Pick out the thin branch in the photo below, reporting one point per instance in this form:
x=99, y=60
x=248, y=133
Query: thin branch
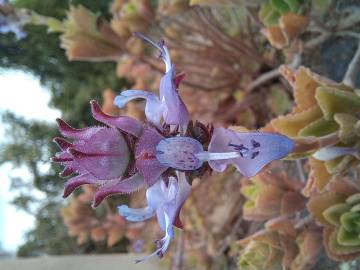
x=272, y=74
x=350, y=21
x=313, y=43
x=231, y=236
x=348, y=33
x=240, y=106
x=300, y=170
x=263, y=78
x=178, y=261
x=353, y=69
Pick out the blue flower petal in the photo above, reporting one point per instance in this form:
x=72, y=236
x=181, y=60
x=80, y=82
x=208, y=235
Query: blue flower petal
x=179, y=153
x=136, y=214
x=257, y=149
x=153, y=109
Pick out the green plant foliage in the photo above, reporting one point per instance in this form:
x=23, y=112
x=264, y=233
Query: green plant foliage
x=279, y=101
x=29, y=143
x=272, y=10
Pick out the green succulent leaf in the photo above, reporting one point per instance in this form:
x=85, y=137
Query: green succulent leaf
x=353, y=199
x=333, y=213
x=251, y=191
x=249, y=204
x=318, y=128
x=269, y=15
x=356, y=208
x=332, y=101
x=339, y=248
x=348, y=238
x=129, y=8
x=279, y=101
x=259, y=256
x=347, y=122
x=348, y=221
x=294, y=5
x=281, y=6
x=339, y=164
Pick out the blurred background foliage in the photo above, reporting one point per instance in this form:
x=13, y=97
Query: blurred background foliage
x=29, y=143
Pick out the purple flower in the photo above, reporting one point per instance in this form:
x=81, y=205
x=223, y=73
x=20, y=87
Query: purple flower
x=164, y=201
x=99, y=155
x=145, y=156
x=125, y=155
x=168, y=105
x=249, y=152
x=256, y=149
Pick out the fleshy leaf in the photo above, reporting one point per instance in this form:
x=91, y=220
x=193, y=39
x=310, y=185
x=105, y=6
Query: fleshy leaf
x=348, y=238
x=291, y=124
x=319, y=171
x=293, y=24
x=318, y=128
x=86, y=37
x=280, y=5
x=319, y=203
x=348, y=221
x=276, y=36
x=339, y=164
x=332, y=100
x=304, y=89
x=334, y=212
x=268, y=14
x=336, y=251
x=354, y=199
x=347, y=122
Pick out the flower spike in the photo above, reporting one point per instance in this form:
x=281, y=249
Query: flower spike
x=124, y=155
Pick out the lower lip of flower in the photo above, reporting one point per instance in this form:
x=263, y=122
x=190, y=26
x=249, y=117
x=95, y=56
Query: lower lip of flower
x=186, y=153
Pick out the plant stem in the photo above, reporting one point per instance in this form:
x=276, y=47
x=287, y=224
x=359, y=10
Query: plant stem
x=353, y=69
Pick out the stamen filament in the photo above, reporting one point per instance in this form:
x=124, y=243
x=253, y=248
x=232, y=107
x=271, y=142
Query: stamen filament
x=206, y=156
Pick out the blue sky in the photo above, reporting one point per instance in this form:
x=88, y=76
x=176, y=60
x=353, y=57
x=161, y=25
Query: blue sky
x=17, y=90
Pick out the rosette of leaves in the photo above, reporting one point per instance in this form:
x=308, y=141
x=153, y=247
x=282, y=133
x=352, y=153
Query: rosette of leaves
x=172, y=7
x=270, y=195
x=272, y=10
x=283, y=20
x=323, y=109
x=88, y=37
x=281, y=246
x=339, y=212
x=212, y=3
x=272, y=248
x=131, y=16
x=86, y=224
x=309, y=244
